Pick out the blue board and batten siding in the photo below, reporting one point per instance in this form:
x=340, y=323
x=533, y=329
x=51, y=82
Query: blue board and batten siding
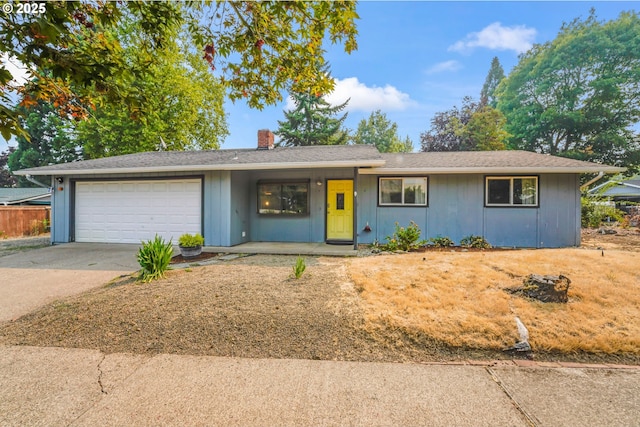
x=456, y=209
x=307, y=228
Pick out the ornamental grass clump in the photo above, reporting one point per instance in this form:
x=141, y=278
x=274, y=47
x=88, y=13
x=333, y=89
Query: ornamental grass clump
x=154, y=257
x=191, y=240
x=299, y=267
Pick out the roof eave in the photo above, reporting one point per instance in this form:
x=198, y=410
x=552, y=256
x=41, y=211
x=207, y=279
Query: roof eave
x=23, y=200
x=488, y=170
x=196, y=168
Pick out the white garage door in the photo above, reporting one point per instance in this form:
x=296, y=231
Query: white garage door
x=132, y=211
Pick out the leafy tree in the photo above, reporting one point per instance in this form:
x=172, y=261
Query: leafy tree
x=51, y=140
x=65, y=47
x=312, y=122
x=485, y=130
x=183, y=100
x=578, y=95
x=379, y=131
x=495, y=76
x=260, y=49
x=447, y=129
x=6, y=178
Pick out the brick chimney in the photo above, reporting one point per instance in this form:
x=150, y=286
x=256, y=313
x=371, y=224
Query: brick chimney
x=265, y=139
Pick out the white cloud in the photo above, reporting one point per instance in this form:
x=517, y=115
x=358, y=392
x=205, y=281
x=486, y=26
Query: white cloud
x=16, y=68
x=494, y=36
x=364, y=98
x=441, y=67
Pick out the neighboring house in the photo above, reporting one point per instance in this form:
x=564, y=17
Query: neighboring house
x=25, y=196
x=619, y=191
x=333, y=194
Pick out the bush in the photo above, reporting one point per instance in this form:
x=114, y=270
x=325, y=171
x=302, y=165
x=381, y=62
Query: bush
x=596, y=210
x=299, y=267
x=440, y=242
x=403, y=238
x=190, y=240
x=154, y=257
x=474, y=242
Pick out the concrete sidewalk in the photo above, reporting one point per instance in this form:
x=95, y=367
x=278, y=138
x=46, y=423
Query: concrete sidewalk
x=53, y=386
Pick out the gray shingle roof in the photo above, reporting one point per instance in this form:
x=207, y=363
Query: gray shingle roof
x=507, y=161
x=10, y=196
x=630, y=187
x=230, y=159
x=364, y=156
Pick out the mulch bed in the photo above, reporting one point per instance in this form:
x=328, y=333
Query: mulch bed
x=179, y=259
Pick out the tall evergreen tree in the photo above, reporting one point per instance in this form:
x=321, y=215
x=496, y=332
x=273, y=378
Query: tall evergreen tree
x=495, y=76
x=312, y=122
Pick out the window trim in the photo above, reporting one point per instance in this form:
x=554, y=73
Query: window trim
x=404, y=205
x=282, y=182
x=511, y=179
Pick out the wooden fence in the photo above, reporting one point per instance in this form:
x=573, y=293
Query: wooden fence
x=17, y=221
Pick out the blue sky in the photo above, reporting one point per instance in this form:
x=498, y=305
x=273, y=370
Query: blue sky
x=420, y=57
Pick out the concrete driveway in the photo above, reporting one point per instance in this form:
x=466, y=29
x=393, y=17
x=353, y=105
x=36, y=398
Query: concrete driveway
x=32, y=278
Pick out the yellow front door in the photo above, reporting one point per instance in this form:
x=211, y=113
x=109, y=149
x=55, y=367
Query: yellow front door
x=340, y=210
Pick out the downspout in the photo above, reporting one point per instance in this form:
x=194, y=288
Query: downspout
x=36, y=182
x=585, y=185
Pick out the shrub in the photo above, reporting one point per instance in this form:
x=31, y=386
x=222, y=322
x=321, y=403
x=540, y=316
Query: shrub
x=474, y=242
x=403, y=238
x=299, y=267
x=190, y=240
x=596, y=210
x=154, y=257
x=441, y=242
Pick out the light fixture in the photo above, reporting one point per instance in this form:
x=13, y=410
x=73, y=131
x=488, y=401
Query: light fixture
x=60, y=180
x=318, y=183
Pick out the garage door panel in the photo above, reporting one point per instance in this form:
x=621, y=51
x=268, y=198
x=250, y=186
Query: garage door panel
x=132, y=211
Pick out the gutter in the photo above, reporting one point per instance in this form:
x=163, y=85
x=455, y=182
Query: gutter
x=484, y=170
x=591, y=181
x=215, y=167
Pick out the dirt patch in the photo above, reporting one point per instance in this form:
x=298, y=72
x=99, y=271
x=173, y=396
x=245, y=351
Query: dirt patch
x=251, y=306
x=248, y=307
x=627, y=239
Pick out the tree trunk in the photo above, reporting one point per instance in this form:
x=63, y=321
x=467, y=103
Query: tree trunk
x=544, y=288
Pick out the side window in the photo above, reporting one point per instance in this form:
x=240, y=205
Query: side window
x=402, y=191
x=511, y=191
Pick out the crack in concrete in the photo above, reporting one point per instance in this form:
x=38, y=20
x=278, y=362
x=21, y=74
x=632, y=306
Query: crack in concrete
x=529, y=418
x=100, y=373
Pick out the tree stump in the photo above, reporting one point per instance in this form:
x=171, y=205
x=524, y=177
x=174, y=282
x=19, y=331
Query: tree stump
x=544, y=288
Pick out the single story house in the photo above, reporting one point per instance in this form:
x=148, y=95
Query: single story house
x=336, y=194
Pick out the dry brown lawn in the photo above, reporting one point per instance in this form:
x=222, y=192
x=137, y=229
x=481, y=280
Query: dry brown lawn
x=458, y=298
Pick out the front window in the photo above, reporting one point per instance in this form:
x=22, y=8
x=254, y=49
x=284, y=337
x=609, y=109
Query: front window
x=283, y=198
x=403, y=191
x=512, y=191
